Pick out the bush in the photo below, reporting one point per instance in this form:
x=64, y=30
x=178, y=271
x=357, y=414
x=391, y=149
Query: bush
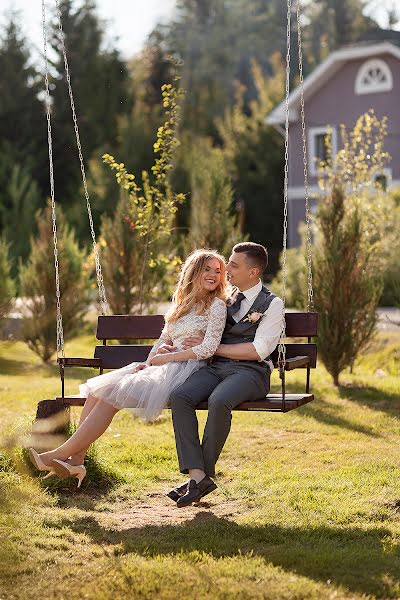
x=37, y=281
x=391, y=277
x=296, y=276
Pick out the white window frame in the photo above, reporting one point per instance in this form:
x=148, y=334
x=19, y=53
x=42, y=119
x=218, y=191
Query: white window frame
x=386, y=173
x=312, y=134
x=361, y=88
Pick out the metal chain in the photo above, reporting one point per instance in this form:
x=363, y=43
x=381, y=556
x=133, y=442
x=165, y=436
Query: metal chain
x=281, y=346
x=100, y=282
x=60, y=331
x=310, y=292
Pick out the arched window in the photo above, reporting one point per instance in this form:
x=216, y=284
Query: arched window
x=373, y=76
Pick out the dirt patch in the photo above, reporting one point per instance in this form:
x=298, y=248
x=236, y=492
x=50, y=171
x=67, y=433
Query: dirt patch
x=157, y=509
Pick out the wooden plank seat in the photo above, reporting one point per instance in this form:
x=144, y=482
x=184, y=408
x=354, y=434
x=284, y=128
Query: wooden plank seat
x=124, y=328
x=271, y=403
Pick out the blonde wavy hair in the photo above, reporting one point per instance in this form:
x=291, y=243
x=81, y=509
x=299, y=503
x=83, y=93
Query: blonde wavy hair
x=190, y=291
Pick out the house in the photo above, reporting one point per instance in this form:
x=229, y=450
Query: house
x=349, y=82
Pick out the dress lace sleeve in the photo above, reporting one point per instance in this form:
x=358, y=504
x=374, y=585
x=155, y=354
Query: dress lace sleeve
x=215, y=328
x=163, y=339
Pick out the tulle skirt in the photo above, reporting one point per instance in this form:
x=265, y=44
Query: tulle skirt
x=146, y=392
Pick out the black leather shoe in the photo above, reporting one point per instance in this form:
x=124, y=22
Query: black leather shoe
x=196, y=491
x=178, y=491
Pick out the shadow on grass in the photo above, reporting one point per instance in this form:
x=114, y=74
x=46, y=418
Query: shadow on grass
x=354, y=558
x=373, y=397
x=9, y=366
x=321, y=412
x=99, y=481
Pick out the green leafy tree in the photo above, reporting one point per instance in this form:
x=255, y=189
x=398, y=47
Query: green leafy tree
x=7, y=284
x=155, y=203
x=37, y=282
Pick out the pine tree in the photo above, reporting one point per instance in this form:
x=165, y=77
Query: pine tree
x=347, y=284
x=254, y=154
x=18, y=205
x=22, y=124
x=37, y=281
x=155, y=203
x=100, y=86
x=122, y=258
x=7, y=284
x=212, y=223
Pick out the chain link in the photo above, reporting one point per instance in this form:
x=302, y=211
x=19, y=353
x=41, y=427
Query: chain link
x=281, y=346
x=100, y=282
x=60, y=331
x=310, y=293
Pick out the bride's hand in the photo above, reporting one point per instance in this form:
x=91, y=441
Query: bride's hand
x=194, y=340
x=160, y=359
x=140, y=367
x=165, y=348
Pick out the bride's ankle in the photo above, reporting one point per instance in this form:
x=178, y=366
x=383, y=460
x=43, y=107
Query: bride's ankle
x=78, y=459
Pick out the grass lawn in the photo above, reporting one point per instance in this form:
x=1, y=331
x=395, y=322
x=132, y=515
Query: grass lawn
x=308, y=504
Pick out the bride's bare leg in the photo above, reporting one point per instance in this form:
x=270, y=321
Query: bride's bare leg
x=89, y=405
x=79, y=457
x=90, y=430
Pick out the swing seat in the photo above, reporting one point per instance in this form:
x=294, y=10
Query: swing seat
x=126, y=328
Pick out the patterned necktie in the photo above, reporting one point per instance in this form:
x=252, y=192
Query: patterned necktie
x=233, y=308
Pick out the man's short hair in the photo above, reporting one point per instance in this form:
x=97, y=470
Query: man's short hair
x=255, y=253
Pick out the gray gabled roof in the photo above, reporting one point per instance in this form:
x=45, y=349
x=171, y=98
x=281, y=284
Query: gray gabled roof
x=324, y=72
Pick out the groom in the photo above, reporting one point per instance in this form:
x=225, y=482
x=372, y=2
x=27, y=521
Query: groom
x=239, y=371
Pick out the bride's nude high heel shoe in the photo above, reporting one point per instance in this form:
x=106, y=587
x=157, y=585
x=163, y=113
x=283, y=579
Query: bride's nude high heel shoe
x=64, y=469
x=39, y=464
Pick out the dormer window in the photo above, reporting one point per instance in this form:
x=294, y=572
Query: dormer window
x=373, y=76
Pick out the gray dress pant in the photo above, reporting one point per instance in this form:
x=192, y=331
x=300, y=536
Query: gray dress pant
x=225, y=384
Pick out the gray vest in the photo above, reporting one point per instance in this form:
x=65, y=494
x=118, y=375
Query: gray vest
x=245, y=331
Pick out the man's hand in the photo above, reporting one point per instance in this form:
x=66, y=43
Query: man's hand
x=190, y=342
x=165, y=349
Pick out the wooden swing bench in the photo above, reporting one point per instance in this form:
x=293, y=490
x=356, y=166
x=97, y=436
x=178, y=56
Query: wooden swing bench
x=124, y=328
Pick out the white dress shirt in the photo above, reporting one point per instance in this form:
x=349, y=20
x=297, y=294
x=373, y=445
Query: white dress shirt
x=270, y=325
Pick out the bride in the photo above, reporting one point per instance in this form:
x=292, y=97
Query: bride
x=199, y=303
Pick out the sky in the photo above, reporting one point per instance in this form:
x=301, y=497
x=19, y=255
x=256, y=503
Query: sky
x=129, y=20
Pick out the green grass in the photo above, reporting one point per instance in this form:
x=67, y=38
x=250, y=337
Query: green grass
x=308, y=504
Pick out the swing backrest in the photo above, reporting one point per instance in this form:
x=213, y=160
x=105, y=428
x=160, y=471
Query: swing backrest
x=300, y=325
x=131, y=328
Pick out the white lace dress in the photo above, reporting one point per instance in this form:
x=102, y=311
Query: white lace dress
x=146, y=392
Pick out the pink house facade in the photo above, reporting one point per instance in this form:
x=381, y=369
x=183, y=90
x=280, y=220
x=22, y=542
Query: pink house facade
x=349, y=82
